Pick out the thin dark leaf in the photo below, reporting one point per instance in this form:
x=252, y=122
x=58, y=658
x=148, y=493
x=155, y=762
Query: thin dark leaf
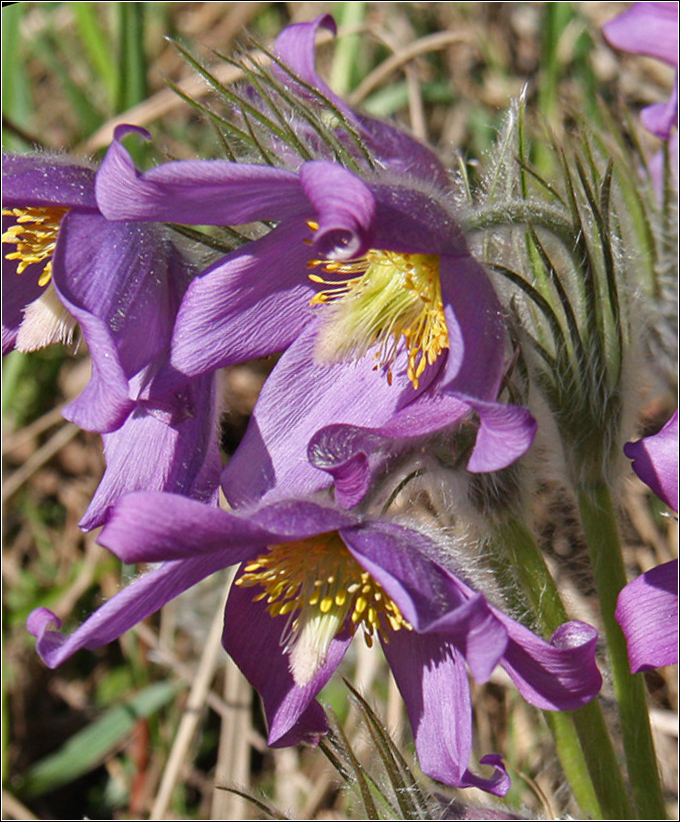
x=240, y=102
x=585, y=268
x=258, y=80
x=268, y=156
x=544, y=183
x=349, y=127
x=216, y=118
x=539, y=300
x=360, y=776
x=263, y=806
x=404, y=784
x=209, y=240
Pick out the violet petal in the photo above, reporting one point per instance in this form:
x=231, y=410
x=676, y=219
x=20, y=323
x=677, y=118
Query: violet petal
x=299, y=397
x=113, y=278
x=206, y=192
x=474, y=318
x=661, y=118
x=400, y=560
x=345, y=210
x=506, y=432
x=149, y=454
x=134, y=603
x=649, y=28
x=252, y=303
x=655, y=461
x=150, y=526
x=252, y=638
x=18, y=290
x=559, y=675
x=34, y=180
x=432, y=679
x=647, y=611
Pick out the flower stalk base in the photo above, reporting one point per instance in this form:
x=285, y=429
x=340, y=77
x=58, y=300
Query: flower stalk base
x=600, y=526
x=581, y=737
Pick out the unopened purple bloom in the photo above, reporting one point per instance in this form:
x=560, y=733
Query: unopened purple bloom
x=371, y=255
x=312, y=576
x=647, y=608
x=121, y=282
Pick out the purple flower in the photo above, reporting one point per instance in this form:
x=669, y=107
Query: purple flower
x=65, y=264
x=313, y=576
x=368, y=252
x=651, y=29
x=647, y=608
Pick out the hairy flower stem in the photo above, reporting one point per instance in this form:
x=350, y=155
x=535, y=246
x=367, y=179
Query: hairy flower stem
x=599, y=522
x=581, y=737
x=514, y=212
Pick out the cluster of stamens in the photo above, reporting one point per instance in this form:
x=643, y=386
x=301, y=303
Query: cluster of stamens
x=35, y=236
x=376, y=300
x=317, y=581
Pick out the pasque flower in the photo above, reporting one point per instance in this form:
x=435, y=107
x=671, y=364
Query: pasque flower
x=366, y=269
x=64, y=265
x=366, y=245
x=311, y=577
x=647, y=608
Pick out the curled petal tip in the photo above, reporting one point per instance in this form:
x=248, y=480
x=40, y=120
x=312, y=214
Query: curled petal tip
x=41, y=620
x=127, y=128
x=574, y=634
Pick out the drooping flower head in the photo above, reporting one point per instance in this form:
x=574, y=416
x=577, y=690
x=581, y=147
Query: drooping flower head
x=647, y=608
x=65, y=265
x=312, y=576
x=366, y=242
x=365, y=269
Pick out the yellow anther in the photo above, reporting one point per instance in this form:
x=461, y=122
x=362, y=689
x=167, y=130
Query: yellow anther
x=384, y=297
x=35, y=236
x=318, y=586
x=325, y=605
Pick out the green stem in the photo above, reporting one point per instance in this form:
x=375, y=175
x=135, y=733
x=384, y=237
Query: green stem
x=599, y=522
x=581, y=737
x=514, y=212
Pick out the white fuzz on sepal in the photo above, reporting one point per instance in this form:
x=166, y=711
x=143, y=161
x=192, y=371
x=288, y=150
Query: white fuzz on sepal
x=45, y=322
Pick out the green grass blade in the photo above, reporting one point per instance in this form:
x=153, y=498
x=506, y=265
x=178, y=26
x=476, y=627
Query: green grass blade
x=97, y=44
x=16, y=98
x=132, y=86
x=349, y=49
x=88, y=748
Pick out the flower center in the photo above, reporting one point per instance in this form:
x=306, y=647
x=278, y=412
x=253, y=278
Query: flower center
x=35, y=236
x=318, y=583
x=377, y=300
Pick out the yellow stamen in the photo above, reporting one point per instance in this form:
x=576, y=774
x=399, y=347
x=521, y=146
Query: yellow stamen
x=35, y=236
x=319, y=584
x=377, y=300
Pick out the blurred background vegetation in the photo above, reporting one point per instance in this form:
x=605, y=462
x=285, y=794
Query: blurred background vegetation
x=155, y=725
